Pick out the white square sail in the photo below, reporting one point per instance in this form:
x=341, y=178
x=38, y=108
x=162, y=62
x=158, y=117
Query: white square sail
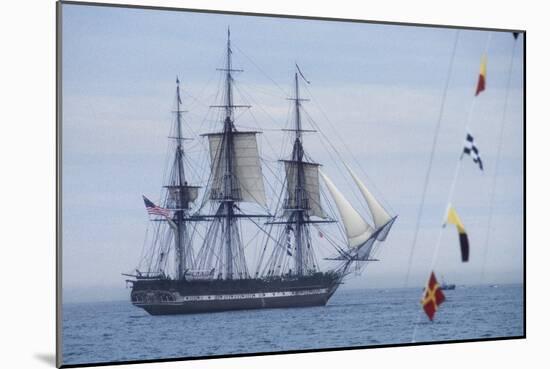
x=247, y=171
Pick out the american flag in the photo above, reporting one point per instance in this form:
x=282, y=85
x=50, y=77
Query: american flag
x=153, y=209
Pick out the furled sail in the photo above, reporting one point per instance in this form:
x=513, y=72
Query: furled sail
x=380, y=216
x=312, y=197
x=247, y=183
x=183, y=195
x=357, y=229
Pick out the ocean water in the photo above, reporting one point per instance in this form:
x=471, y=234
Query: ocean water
x=117, y=331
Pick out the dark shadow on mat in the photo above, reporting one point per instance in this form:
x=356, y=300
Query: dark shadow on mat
x=46, y=358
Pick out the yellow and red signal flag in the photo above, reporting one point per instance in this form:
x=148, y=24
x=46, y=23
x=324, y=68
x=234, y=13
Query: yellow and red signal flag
x=433, y=297
x=482, y=75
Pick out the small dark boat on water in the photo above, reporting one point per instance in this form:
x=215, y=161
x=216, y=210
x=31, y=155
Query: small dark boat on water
x=446, y=287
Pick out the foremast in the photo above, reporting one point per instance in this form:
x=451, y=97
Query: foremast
x=302, y=202
x=301, y=235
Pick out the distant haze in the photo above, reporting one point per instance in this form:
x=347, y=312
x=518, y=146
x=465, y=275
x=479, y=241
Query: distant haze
x=375, y=92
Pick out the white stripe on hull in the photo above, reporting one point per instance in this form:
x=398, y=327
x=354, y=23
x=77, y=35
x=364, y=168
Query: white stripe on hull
x=243, y=296
x=209, y=303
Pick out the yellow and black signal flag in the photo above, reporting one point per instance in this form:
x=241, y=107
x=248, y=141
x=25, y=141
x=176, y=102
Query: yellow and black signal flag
x=482, y=75
x=433, y=297
x=453, y=218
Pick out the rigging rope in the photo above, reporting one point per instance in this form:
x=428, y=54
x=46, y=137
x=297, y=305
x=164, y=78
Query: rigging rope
x=344, y=175
x=379, y=196
x=451, y=195
x=260, y=69
x=495, y=172
x=430, y=160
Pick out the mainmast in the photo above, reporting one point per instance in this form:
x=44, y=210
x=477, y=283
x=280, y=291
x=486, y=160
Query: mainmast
x=297, y=157
x=236, y=177
x=228, y=200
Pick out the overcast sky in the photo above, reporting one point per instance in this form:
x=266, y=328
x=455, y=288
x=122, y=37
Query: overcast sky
x=375, y=91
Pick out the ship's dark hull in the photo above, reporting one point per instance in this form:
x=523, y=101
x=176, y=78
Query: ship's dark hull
x=161, y=297
x=193, y=307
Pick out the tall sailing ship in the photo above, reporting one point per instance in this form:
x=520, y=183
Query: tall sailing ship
x=209, y=269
